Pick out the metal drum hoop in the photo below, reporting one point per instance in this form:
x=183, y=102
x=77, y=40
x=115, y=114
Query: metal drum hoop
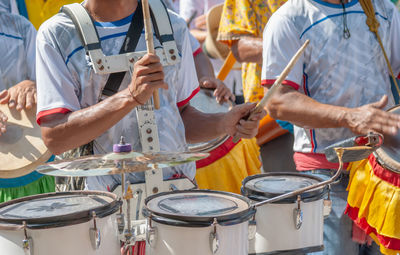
x=383, y=157
x=309, y=196
x=199, y=221
x=65, y=220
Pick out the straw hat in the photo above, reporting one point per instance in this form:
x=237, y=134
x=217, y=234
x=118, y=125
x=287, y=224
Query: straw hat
x=211, y=46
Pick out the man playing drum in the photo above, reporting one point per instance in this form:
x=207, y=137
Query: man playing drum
x=68, y=90
x=339, y=88
x=18, y=90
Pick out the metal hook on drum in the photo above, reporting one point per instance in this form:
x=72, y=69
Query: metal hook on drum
x=298, y=214
x=151, y=234
x=214, y=240
x=94, y=233
x=27, y=243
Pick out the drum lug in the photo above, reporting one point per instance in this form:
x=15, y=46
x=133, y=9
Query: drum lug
x=298, y=214
x=252, y=228
x=328, y=204
x=94, y=233
x=27, y=243
x=214, y=240
x=151, y=234
x=120, y=222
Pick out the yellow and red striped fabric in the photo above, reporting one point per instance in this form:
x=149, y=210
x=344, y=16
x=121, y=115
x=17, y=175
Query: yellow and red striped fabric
x=374, y=203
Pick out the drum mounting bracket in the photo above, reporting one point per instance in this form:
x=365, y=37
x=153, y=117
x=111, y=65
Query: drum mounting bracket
x=27, y=243
x=298, y=214
x=214, y=240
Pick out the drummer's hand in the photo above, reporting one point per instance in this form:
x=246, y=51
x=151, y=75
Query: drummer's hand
x=200, y=22
x=235, y=125
x=148, y=75
x=3, y=121
x=371, y=118
x=22, y=95
x=222, y=93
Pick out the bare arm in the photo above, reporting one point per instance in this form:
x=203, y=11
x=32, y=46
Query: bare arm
x=290, y=105
x=202, y=127
x=62, y=132
x=248, y=49
x=205, y=74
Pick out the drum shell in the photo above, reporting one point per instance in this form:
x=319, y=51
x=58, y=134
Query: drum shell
x=276, y=232
x=67, y=240
x=179, y=240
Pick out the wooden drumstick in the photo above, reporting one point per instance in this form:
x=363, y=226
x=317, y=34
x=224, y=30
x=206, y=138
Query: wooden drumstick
x=150, y=43
x=260, y=105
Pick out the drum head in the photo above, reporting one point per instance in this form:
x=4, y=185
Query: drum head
x=21, y=147
x=205, y=102
x=198, y=206
x=264, y=186
x=388, y=154
x=58, y=209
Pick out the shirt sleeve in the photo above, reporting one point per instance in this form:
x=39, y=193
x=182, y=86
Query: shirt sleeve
x=56, y=90
x=195, y=45
x=280, y=44
x=188, y=84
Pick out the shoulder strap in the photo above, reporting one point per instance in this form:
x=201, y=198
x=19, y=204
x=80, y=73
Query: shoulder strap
x=373, y=25
x=131, y=40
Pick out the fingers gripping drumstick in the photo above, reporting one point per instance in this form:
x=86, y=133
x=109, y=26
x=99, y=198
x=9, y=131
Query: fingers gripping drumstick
x=260, y=106
x=150, y=44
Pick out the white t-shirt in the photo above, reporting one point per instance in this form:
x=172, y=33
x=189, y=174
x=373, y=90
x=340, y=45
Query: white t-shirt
x=334, y=70
x=66, y=82
x=17, y=51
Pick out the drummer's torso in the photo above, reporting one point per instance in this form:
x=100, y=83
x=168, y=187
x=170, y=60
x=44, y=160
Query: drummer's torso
x=338, y=71
x=88, y=85
x=17, y=39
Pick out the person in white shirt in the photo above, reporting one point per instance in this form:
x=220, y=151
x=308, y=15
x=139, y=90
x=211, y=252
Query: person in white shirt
x=68, y=91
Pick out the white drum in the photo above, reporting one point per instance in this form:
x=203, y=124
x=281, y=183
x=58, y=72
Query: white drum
x=60, y=223
x=291, y=225
x=198, y=222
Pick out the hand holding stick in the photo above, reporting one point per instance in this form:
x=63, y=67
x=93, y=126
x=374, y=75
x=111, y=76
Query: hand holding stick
x=150, y=44
x=260, y=106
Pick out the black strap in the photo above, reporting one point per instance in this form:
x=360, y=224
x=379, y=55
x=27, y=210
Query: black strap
x=131, y=40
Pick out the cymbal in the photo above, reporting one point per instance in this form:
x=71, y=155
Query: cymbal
x=21, y=147
x=118, y=163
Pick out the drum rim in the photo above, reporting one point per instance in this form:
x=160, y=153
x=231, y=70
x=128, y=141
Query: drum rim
x=64, y=220
x=309, y=196
x=387, y=162
x=199, y=221
x=383, y=158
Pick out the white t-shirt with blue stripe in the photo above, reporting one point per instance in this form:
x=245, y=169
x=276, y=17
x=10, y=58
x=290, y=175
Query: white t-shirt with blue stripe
x=334, y=70
x=66, y=82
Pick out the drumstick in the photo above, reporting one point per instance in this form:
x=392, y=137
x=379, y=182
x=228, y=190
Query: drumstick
x=260, y=106
x=226, y=67
x=150, y=43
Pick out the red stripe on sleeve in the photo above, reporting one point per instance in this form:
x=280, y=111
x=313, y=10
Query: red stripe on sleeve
x=285, y=82
x=50, y=112
x=197, y=52
x=182, y=103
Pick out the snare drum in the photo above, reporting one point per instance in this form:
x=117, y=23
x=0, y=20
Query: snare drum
x=60, y=223
x=205, y=102
x=198, y=222
x=374, y=192
x=293, y=224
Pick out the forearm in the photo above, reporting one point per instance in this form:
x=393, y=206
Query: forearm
x=248, y=49
x=290, y=105
x=201, y=127
x=67, y=131
x=200, y=35
x=203, y=66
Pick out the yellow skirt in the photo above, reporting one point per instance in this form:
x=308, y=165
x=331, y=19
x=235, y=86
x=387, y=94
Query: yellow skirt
x=374, y=203
x=228, y=165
